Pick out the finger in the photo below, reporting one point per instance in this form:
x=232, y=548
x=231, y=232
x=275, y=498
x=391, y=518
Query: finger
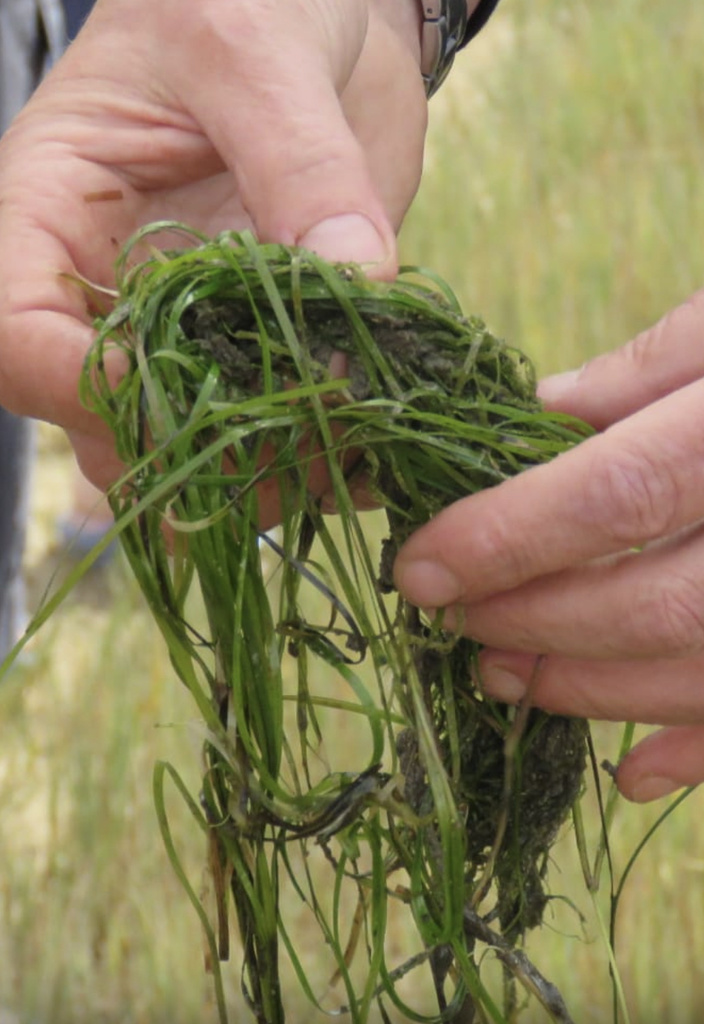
x=658, y=692
x=662, y=763
x=615, y=491
x=642, y=605
x=45, y=328
x=306, y=180
x=45, y=388
x=60, y=219
x=657, y=362
x=389, y=66
x=96, y=456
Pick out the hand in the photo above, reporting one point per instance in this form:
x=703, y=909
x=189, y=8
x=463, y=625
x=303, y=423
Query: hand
x=301, y=119
x=596, y=559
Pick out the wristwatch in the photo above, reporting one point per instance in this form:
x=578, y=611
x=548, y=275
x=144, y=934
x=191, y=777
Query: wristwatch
x=447, y=26
x=444, y=25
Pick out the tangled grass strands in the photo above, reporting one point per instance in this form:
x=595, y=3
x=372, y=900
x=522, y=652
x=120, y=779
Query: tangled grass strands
x=228, y=405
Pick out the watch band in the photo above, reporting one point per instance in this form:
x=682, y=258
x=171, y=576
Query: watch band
x=444, y=25
x=447, y=26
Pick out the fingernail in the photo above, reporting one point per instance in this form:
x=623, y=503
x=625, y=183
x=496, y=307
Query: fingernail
x=428, y=584
x=503, y=685
x=348, y=237
x=553, y=389
x=652, y=787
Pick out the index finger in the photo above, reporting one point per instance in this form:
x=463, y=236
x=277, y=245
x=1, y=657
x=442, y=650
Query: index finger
x=638, y=481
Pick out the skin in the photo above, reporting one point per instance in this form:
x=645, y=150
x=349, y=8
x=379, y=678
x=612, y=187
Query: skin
x=596, y=559
x=134, y=126
x=273, y=130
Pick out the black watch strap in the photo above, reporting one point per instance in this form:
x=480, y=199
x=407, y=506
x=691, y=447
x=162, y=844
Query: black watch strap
x=478, y=19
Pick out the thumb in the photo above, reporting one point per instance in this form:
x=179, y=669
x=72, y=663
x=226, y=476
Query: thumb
x=663, y=762
x=270, y=102
x=660, y=360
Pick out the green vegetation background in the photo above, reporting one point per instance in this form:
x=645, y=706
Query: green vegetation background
x=562, y=201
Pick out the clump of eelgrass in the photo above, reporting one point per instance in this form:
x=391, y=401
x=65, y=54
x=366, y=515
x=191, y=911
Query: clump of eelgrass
x=454, y=805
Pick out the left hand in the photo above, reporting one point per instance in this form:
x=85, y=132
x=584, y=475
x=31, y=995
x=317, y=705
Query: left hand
x=597, y=558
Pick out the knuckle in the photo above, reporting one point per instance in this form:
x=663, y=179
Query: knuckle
x=646, y=350
x=675, y=621
x=494, y=544
x=632, y=497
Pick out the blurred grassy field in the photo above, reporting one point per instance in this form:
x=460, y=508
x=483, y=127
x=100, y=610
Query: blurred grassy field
x=561, y=202
x=562, y=196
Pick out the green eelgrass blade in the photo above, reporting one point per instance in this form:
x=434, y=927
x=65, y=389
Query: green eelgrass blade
x=610, y=806
x=161, y=770
x=229, y=394
x=670, y=809
x=620, y=1003
x=619, y=997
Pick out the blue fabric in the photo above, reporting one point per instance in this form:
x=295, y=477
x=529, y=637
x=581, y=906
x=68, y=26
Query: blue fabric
x=76, y=12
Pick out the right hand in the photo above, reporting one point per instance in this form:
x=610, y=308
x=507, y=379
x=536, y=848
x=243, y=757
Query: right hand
x=301, y=119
